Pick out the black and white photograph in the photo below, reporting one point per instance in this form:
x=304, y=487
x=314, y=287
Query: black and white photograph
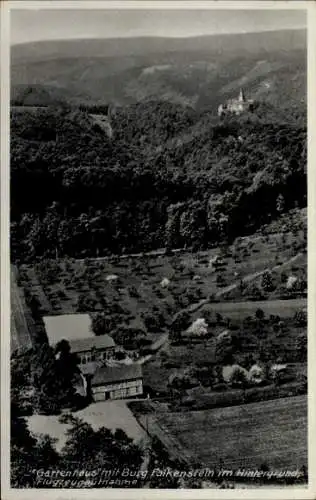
x=158, y=220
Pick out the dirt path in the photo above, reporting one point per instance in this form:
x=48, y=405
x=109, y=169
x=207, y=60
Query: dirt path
x=22, y=323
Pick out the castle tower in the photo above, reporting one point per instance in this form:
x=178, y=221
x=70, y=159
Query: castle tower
x=241, y=97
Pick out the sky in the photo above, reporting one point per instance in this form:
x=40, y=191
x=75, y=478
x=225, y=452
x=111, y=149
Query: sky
x=33, y=25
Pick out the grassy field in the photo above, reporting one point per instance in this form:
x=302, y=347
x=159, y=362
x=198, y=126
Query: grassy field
x=240, y=310
x=270, y=432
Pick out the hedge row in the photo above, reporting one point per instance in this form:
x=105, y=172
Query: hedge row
x=210, y=400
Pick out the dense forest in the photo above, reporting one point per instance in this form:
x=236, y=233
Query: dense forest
x=170, y=177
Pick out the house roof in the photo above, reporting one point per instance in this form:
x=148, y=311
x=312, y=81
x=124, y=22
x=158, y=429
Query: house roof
x=106, y=375
x=100, y=342
x=90, y=368
x=68, y=326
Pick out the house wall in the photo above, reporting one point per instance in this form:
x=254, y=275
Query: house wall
x=118, y=390
x=96, y=355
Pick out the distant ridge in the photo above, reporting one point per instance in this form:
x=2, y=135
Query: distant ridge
x=109, y=47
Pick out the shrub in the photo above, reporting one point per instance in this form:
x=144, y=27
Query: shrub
x=214, y=400
x=221, y=386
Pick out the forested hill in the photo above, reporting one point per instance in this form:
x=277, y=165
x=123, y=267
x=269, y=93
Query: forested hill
x=170, y=177
x=194, y=71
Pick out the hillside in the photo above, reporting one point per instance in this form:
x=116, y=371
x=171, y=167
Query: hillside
x=196, y=72
x=169, y=177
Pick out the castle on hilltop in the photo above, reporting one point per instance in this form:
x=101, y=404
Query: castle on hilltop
x=236, y=106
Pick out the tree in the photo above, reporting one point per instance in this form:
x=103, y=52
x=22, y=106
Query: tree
x=301, y=347
x=47, y=384
x=220, y=281
x=192, y=225
x=239, y=377
x=22, y=448
x=264, y=467
x=266, y=282
x=128, y=337
x=259, y=314
x=280, y=203
x=132, y=290
x=300, y=318
x=52, y=373
x=98, y=324
x=224, y=348
x=172, y=229
x=153, y=320
x=51, y=224
x=180, y=323
x=28, y=453
x=91, y=449
x=86, y=303
x=45, y=453
x=219, y=318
